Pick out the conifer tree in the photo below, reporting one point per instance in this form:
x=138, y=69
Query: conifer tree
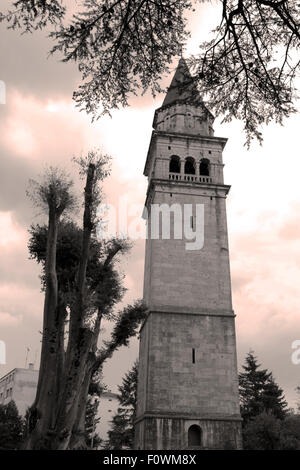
x=122, y=433
x=259, y=392
x=11, y=427
x=91, y=420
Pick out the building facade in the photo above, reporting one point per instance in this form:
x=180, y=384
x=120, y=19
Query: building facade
x=20, y=386
x=108, y=407
x=188, y=382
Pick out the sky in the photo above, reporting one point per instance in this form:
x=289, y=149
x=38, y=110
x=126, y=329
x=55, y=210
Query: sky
x=39, y=126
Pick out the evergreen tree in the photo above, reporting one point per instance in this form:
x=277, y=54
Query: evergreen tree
x=273, y=399
x=11, y=427
x=290, y=433
x=259, y=392
x=122, y=433
x=265, y=432
x=93, y=439
x=262, y=433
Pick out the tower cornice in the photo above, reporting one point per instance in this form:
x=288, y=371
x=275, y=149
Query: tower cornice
x=220, y=190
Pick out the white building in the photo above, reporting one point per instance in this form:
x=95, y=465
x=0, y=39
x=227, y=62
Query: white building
x=108, y=406
x=20, y=386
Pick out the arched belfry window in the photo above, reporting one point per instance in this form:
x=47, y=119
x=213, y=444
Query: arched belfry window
x=194, y=436
x=189, y=166
x=204, y=167
x=174, y=164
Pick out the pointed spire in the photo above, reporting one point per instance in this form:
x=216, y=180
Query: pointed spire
x=182, y=87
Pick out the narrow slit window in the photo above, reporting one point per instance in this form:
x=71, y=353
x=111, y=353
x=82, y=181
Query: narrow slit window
x=192, y=221
x=193, y=356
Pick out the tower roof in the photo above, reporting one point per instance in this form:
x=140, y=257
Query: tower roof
x=182, y=87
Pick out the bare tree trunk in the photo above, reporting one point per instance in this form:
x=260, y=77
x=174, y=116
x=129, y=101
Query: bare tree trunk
x=43, y=409
x=60, y=356
x=78, y=438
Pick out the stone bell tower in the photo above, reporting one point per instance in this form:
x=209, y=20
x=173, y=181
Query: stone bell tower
x=188, y=383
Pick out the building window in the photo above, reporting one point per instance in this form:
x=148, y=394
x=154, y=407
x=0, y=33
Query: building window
x=189, y=120
x=194, y=436
x=204, y=167
x=167, y=122
x=193, y=356
x=173, y=122
x=189, y=166
x=174, y=164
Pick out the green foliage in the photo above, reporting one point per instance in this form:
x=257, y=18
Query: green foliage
x=290, y=433
x=53, y=192
x=121, y=435
x=30, y=15
x=100, y=164
x=121, y=46
x=265, y=432
x=248, y=69
x=11, y=427
x=126, y=326
x=259, y=392
x=262, y=433
x=104, y=282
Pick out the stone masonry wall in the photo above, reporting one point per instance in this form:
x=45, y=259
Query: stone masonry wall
x=169, y=380
x=172, y=434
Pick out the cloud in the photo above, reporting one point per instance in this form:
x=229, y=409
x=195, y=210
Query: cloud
x=17, y=299
x=7, y=319
x=265, y=276
x=290, y=230
x=9, y=232
x=27, y=66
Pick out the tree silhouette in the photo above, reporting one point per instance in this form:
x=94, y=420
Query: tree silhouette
x=11, y=427
x=247, y=71
x=259, y=393
x=81, y=287
x=122, y=433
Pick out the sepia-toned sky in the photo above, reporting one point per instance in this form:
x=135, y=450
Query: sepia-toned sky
x=39, y=125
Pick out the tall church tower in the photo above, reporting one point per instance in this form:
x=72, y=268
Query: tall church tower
x=188, y=384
